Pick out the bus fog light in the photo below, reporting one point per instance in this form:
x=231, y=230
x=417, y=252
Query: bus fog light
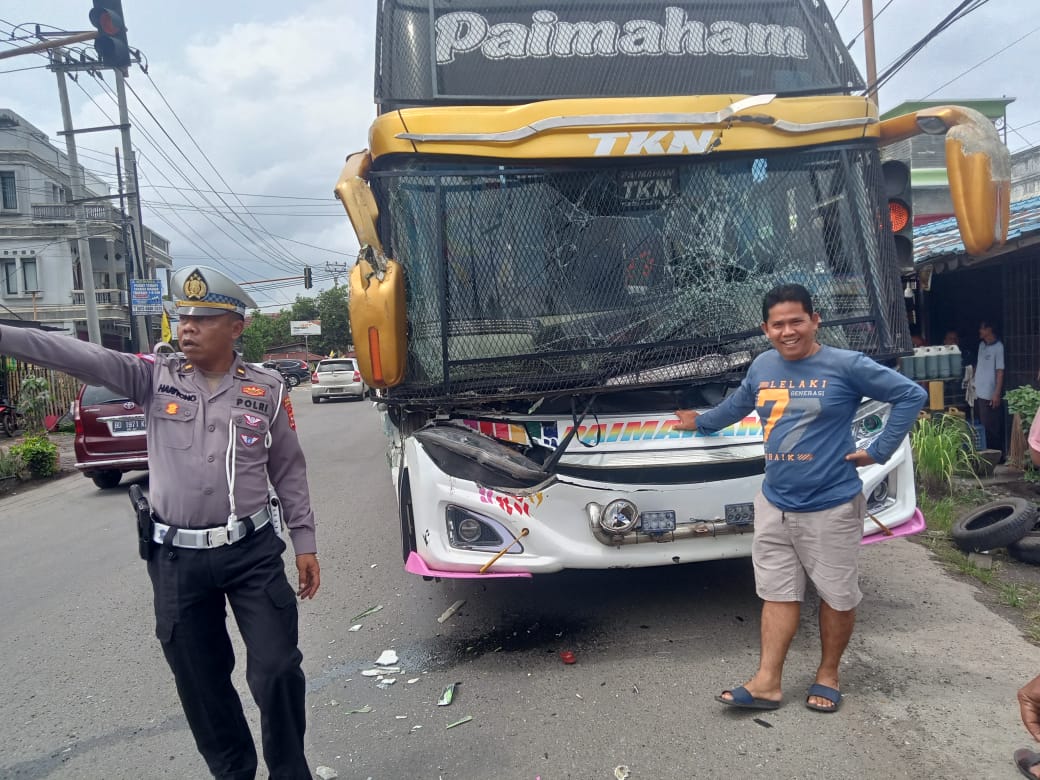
x=619, y=516
x=469, y=530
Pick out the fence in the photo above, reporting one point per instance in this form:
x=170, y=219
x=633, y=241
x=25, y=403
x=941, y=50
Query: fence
x=63, y=387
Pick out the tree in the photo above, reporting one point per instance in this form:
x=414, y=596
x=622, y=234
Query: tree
x=335, y=322
x=33, y=397
x=263, y=331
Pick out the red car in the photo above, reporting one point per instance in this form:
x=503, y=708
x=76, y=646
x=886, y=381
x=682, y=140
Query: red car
x=110, y=435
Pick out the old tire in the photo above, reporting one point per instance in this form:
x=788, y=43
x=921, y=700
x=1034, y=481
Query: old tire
x=1027, y=549
x=106, y=480
x=996, y=524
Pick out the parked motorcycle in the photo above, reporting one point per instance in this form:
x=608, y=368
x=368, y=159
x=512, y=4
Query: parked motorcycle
x=8, y=417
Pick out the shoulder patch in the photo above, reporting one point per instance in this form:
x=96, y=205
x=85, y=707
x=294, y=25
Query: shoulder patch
x=146, y=357
x=289, y=412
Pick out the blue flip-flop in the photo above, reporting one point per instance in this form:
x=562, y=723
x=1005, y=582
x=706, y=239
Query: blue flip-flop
x=743, y=699
x=1026, y=759
x=824, y=692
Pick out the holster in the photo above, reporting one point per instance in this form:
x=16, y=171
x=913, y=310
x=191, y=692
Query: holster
x=145, y=522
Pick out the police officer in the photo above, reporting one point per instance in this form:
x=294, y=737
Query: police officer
x=218, y=431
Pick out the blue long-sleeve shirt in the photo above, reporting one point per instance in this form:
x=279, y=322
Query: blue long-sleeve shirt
x=807, y=407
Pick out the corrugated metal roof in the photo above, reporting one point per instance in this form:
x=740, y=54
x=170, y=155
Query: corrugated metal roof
x=942, y=237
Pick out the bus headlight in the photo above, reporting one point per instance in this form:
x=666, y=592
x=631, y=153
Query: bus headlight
x=869, y=422
x=619, y=516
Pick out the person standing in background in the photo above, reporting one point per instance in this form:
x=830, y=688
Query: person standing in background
x=989, y=386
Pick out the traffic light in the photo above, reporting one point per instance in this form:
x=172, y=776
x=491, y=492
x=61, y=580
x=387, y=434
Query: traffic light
x=110, y=44
x=307, y=282
x=900, y=211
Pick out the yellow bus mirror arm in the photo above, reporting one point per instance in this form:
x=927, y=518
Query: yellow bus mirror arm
x=978, y=166
x=356, y=196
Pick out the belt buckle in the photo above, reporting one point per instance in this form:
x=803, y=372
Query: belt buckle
x=218, y=536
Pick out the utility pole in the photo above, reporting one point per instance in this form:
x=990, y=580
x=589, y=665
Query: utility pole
x=128, y=261
x=144, y=335
x=86, y=265
x=868, y=44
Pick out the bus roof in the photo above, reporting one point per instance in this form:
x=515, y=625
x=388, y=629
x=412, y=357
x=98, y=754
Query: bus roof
x=516, y=51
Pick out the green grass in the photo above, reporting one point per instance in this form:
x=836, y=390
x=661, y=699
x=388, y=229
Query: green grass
x=940, y=512
x=1012, y=595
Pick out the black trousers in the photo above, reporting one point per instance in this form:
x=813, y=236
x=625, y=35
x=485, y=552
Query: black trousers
x=192, y=589
x=993, y=421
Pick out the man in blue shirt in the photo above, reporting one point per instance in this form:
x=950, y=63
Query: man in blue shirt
x=809, y=515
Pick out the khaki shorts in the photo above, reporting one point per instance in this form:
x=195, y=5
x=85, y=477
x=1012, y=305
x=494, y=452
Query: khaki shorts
x=822, y=546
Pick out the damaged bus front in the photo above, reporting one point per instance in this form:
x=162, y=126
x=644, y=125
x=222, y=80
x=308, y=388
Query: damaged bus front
x=568, y=217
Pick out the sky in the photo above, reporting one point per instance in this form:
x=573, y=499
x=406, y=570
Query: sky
x=265, y=100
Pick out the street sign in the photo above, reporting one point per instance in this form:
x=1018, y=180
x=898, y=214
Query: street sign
x=305, y=327
x=145, y=296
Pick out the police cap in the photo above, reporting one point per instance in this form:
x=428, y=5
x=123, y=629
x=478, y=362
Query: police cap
x=201, y=291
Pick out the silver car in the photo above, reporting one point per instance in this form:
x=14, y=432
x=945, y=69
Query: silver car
x=337, y=378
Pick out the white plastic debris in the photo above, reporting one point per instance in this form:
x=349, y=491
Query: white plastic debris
x=371, y=672
x=622, y=772
x=386, y=682
x=326, y=772
x=413, y=681
x=400, y=717
x=356, y=627
x=451, y=610
x=387, y=658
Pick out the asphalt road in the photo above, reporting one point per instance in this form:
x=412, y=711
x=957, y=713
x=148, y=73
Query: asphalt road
x=929, y=678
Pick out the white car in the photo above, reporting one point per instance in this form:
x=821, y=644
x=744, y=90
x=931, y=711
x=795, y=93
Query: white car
x=337, y=378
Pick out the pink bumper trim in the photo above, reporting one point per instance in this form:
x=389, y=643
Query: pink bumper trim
x=416, y=565
x=912, y=526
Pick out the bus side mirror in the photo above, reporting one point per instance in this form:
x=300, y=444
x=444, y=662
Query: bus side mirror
x=978, y=167
x=354, y=193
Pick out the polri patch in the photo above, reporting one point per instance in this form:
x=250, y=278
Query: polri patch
x=255, y=391
x=289, y=412
x=253, y=404
x=248, y=439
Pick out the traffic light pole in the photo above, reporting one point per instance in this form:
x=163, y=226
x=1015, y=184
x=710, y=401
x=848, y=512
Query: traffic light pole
x=86, y=265
x=128, y=262
x=144, y=336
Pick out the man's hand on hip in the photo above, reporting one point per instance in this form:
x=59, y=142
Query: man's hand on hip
x=310, y=575
x=860, y=458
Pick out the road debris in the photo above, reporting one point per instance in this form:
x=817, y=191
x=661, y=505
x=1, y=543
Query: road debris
x=359, y=710
x=622, y=772
x=355, y=627
x=467, y=719
x=447, y=696
x=568, y=657
x=413, y=681
x=451, y=610
x=386, y=682
x=761, y=722
x=367, y=612
x=387, y=658
x=371, y=672
x=326, y=772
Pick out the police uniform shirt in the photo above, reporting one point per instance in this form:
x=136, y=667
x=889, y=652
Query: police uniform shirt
x=189, y=432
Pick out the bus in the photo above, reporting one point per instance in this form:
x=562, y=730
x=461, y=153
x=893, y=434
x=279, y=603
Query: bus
x=568, y=214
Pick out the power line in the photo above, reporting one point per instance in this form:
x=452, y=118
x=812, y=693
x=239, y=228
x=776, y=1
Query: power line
x=863, y=29
x=962, y=10
x=982, y=62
